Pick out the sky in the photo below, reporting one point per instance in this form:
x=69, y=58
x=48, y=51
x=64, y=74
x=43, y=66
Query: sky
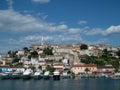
x=26, y=22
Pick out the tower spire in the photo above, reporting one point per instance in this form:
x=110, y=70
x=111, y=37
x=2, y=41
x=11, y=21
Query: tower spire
x=42, y=39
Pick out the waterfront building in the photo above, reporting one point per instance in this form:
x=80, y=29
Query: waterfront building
x=107, y=69
x=59, y=67
x=81, y=68
x=6, y=62
x=6, y=68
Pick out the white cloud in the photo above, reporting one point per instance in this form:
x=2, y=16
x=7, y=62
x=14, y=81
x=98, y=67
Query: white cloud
x=62, y=27
x=82, y=22
x=109, y=31
x=36, y=38
x=94, y=31
x=13, y=21
x=74, y=30
x=41, y=1
x=57, y=27
x=100, y=41
x=112, y=30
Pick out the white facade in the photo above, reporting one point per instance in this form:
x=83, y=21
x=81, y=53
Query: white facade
x=20, y=53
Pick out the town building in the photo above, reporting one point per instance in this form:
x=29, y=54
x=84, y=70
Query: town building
x=82, y=68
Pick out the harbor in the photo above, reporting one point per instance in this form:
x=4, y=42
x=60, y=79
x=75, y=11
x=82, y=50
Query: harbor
x=63, y=84
x=38, y=75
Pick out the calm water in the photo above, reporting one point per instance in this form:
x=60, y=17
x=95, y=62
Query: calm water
x=65, y=84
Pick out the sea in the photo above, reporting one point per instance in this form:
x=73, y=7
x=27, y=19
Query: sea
x=63, y=84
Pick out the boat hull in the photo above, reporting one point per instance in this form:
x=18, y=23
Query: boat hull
x=26, y=77
x=56, y=77
x=17, y=76
x=46, y=77
x=5, y=77
x=37, y=77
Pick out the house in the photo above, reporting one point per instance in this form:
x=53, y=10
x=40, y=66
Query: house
x=5, y=68
x=54, y=57
x=59, y=67
x=6, y=62
x=62, y=49
x=27, y=62
x=34, y=61
x=107, y=69
x=37, y=46
x=81, y=68
x=43, y=67
x=20, y=53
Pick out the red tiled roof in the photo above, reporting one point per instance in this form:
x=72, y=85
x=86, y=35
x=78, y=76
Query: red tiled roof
x=58, y=64
x=106, y=67
x=84, y=65
x=6, y=66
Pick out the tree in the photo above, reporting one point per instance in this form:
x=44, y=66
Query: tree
x=115, y=64
x=34, y=54
x=12, y=54
x=25, y=49
x=16, y=60
x=48, y=51
x=33, y=68
x=50, y=68
x=87, y=70
x=84, y=47
x=100, y=62
x=118, y=53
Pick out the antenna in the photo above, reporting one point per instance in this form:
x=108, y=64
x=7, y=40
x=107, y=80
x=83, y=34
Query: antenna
x=10, y=4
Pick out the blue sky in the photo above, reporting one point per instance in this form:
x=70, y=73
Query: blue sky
x=25, y=22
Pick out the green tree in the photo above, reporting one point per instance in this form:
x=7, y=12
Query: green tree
x=87, y=70
x=34, y=54
x=84, y=47
x=115, y=63
x=25, y=49
x=50, y=68
x=48, y=51
x=12, y=54
x=100, y=62
x=16, y=60
x=118, y=53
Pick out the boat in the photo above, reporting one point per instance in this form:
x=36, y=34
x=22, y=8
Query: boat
x=5, y=75
x=16, y=75
x=27, y=74
x=37, y=75
x=56, y=75
x=116, y=76
x=65, y=75
x=46, y=75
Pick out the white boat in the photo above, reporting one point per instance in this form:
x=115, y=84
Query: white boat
x=38, y=74
x=46, y=75
x=56, y=75
x=16, y=75
x=27, y=74
x=65, y=75
x=116, y=76
x=5, y=75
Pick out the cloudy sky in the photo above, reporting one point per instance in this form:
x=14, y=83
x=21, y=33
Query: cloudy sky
x=25, y=22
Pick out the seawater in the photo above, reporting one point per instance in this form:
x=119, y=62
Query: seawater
x=63, y=84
